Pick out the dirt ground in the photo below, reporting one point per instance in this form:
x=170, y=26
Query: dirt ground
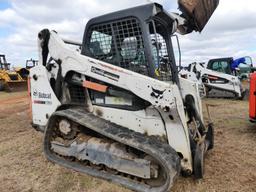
x=231, y=166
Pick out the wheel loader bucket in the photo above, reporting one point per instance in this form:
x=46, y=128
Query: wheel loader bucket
x=15, y=86
x=198, y=12
x=11, y=81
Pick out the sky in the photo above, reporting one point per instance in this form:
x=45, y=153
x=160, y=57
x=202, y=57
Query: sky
x=230, y=32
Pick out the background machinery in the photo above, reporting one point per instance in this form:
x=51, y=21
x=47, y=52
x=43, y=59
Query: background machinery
x=241, y=67
x=10, y=80
x=217, y=84
x=24, y=72
x=31, y=63
x=252, y=98
x=118, y=110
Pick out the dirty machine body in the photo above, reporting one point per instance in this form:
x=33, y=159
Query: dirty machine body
x=217, y=84
x=118, y=109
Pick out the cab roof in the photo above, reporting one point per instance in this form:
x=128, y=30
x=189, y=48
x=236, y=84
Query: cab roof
x=143, y=12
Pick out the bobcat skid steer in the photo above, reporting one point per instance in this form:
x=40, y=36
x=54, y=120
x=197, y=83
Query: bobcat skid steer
x=217, y=84
x=240, y=67
x=106, y=112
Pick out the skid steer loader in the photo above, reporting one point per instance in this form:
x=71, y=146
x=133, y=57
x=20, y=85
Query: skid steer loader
x=217, y=84
x=10, y=80
x=118, y=110
x=241, y=67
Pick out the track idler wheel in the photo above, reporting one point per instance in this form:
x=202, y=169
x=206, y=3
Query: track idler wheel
x=67, y=129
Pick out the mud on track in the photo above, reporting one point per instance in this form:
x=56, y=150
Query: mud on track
x=231, y=166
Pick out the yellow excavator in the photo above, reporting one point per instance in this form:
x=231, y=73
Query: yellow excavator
x=10, y=80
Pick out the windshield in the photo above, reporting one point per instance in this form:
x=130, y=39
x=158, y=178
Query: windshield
x=5, y=66
x=30, y=64
x=220, y=66
x=161, y=60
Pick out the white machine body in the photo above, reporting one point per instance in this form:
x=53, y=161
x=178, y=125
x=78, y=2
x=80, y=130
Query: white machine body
x=165, y=118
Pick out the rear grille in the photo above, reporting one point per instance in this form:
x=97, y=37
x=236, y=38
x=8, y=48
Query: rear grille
x=77, y=94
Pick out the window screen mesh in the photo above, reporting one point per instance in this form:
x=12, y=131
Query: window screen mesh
x=119, y=43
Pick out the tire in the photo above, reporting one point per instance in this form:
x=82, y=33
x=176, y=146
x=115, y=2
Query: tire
x=210, y=136
x=198, y=162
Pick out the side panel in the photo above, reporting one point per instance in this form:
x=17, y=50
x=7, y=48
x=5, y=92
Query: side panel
x=189, y=87
x=252, y=101
x=154, y=121
x=146, y=121
x=43, y=99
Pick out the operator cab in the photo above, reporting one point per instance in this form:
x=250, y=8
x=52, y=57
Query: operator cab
x=139, y=40
x=237, y=67
x=31, y=63
x=222, y=65
x=3, y=63
x=5, y=66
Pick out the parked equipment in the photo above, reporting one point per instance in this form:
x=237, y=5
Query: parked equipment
x=10, y=80
x=31, y=63
x=252, y=98
x=217, y=84
x=24, y=72
x=241, y=67
x=118, y=110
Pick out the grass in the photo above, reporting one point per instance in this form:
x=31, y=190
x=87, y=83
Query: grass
x=230, y=166
x=65, y=182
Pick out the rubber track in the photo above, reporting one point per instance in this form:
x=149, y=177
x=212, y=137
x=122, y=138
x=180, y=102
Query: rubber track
x=221, y=93
x=164, y=154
